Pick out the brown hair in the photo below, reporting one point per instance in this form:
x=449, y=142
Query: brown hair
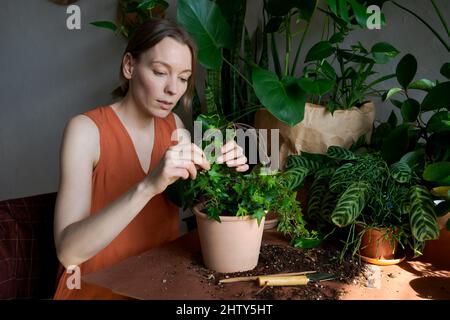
x=147, y=36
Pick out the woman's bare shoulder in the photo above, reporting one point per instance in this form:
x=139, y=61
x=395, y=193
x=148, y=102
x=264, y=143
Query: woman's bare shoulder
x=81, y=133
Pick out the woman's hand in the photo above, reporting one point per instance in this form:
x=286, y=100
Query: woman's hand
x=233, y=156
x=179, y=161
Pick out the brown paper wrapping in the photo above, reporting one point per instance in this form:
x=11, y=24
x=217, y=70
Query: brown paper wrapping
x=319, y=129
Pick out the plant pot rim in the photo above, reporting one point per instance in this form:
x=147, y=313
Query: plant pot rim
x=198, y=212
x=361, y=227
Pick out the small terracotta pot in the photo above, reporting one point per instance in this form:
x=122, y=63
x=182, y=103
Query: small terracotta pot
x=231, y=245
x=271, y=221
x=377, y=244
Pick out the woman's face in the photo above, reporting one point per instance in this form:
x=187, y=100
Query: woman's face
x=160, y=77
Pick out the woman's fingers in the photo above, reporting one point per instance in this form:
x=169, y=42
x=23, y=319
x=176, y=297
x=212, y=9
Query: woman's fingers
x=187, y=165
x=231, y=151
x=190, y=151
x=242, y=168
x=237, y=162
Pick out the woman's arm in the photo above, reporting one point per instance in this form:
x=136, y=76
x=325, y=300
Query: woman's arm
x=79, y=235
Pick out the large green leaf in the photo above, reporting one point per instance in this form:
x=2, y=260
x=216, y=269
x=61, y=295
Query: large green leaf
x=285, y=99
x=422, y=216
x=360, y=12
x=445, y=70
x=438, y=146
x=336, y=181
x=388, y=94
x=438, y=172
x=296, y=161
x=230, y=9
x=306, y=9
x=439, y=122
x=350, y=204
x=395, y=144
x=315, y=197
x=352, y=57
x=340, y=153
x=307, y=243
x=319, y=51
x=392, y=120
x=410, y=110
x=328, y=70
x=438, y=97
x=422, y=84
x=401, y=172
x=105, y=24
x=206, y=24
x=415, y=159
x=294, y=177
x=406, y=70
x=316, y=86
x=383, y=51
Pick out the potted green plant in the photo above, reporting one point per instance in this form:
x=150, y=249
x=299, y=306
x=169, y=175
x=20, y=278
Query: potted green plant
x=230, y=207
x=131, y=14
x=360, y=189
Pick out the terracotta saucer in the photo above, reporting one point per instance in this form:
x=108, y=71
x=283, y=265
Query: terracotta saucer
x=382, y=262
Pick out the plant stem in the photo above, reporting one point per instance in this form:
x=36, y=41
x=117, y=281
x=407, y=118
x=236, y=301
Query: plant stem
x=425, y=23
x=299, y=49
x=237, y=71
x=439, y=13
x=288, y=44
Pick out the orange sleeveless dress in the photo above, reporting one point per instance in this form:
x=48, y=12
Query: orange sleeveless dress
x=119, y=169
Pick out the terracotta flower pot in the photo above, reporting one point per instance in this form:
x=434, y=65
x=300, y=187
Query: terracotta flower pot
x=231, y=245
x=378, y=244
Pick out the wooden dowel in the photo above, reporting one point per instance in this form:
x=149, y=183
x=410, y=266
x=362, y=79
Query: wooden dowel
x=252, y=278
x=283, y=280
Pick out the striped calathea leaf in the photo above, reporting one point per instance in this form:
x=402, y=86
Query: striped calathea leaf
x=294, y=177
x=315, y=198
x=295, y=161
x=350, y=204
x=340, y=153
x=422, y=214
x=401, y=172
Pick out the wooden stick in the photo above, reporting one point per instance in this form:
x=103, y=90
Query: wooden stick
x=251, y=278
x=283, y=281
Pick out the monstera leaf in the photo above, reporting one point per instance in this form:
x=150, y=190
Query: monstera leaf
x=206, y=24
x=283, y=98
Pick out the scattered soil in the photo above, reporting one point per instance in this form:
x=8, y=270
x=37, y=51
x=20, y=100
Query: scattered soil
x=284, y=259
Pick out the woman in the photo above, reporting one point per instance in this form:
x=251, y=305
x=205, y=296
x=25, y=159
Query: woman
x=117, y=160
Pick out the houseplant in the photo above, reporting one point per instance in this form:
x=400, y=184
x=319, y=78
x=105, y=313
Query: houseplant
x=360, y=189
x=227, y=202
x=131, y=14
